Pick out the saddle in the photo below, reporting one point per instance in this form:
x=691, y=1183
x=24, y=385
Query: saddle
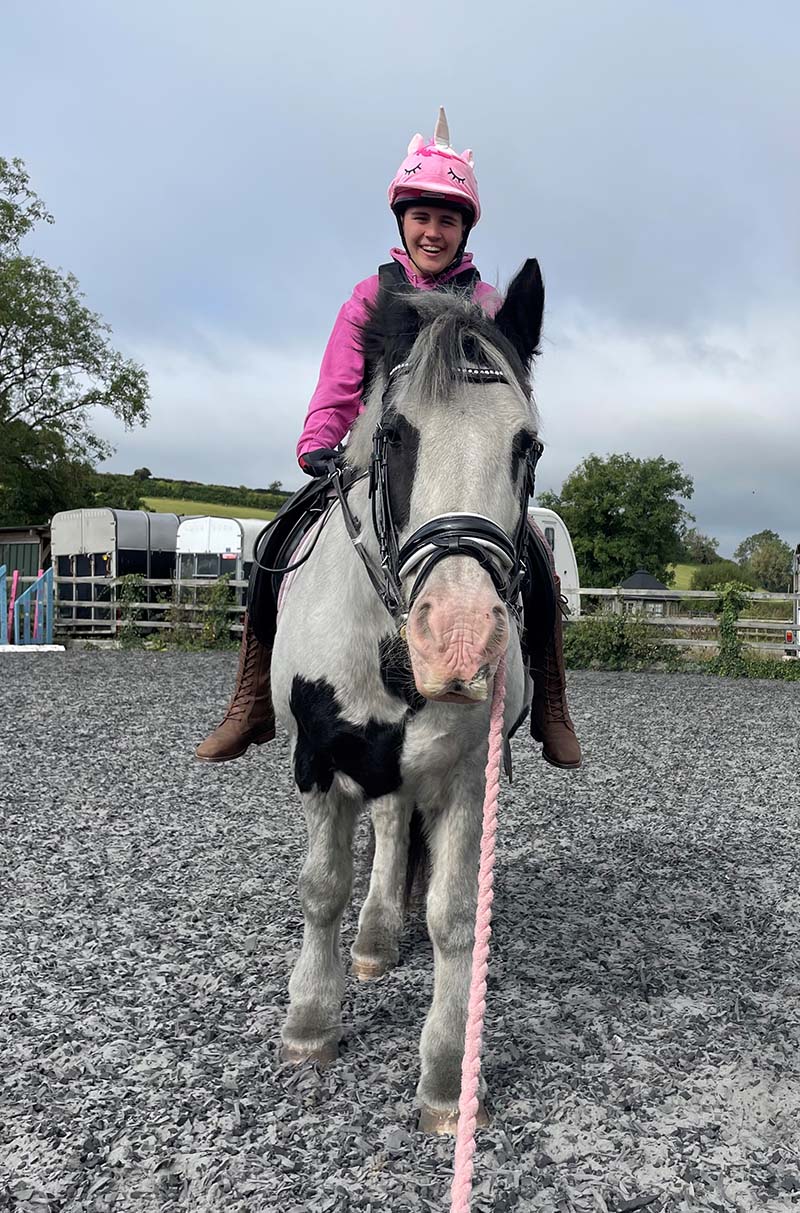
x=276, y=547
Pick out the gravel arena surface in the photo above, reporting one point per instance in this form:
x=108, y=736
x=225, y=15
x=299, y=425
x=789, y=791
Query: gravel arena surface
x=642, y=1045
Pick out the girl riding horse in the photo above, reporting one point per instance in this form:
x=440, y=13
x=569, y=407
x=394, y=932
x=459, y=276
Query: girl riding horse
x=434, y=197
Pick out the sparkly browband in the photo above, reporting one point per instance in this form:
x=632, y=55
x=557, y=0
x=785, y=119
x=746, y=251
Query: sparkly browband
x=486, y=372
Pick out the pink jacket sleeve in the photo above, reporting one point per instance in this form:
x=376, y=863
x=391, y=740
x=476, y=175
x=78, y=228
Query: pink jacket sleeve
x=337, y=397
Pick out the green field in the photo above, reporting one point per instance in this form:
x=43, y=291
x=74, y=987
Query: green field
x=683, y=576
x=176, y=505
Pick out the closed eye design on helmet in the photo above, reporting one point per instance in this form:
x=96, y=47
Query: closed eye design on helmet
x=433, y=169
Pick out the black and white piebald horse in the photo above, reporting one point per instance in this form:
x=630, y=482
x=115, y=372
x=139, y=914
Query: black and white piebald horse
x=387, y=644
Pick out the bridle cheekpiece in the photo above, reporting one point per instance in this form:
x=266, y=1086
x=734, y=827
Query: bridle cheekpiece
x=446, y=535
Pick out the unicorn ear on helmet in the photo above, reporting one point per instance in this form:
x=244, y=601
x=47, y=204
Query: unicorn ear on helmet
x=416, y=143
x=441, y=135
x=467, y=156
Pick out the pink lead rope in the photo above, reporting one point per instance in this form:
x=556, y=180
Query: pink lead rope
x=461, y=1191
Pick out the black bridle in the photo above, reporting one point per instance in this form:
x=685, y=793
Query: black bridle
x=472, y=535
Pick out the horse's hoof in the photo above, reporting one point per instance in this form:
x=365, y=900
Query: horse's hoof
x=369, y=970
x=323, y=1056
x=446, y=1123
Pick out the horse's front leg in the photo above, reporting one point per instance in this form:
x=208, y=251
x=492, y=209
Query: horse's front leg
x=377, y=945
x=454, y=837
x=313, y=1024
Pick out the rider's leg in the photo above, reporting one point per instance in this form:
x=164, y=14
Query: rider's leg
x=550, y=719
x=250, y=719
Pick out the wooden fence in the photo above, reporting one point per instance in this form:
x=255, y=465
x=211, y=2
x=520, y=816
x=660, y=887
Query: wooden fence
x=165, y=602
x=698, y=630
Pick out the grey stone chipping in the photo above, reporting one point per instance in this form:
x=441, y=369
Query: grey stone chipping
x=643, y=1023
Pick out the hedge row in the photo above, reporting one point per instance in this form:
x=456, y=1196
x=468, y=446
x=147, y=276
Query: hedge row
x=192, y=490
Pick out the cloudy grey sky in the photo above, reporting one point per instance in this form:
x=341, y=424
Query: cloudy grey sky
x=218, y=176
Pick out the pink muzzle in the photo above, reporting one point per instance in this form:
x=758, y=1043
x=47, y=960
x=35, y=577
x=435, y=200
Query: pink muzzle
x=456, y=635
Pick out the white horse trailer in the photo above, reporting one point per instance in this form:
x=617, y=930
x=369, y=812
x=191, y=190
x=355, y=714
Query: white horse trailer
x=104, y=544
x=792, y=644
x=208, y=547
x=555, y=532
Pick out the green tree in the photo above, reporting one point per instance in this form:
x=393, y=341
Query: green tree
x=38, y=477
x=699, y=548
x=711, y=575
x=749, y=545
x=771, y=566
x=767, y=559
x=56, y=366
x=118, y=492
x=623, y=514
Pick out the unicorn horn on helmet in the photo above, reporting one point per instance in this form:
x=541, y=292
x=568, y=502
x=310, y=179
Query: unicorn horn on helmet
x=441, y=135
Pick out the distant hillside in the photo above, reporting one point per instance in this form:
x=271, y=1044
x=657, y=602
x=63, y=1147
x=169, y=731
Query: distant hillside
x=125, y=490
x=185, y=505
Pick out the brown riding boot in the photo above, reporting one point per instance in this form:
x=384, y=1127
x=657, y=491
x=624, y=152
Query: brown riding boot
x=550, y=719
x=250, y=719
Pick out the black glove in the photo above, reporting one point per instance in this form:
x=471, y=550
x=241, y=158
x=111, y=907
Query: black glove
x=318, y=463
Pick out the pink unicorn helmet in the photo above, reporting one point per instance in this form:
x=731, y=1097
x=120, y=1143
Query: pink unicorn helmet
x=436, y=172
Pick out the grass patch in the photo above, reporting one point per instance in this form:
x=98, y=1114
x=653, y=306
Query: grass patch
x=177, y=505
x=779, y=609
x=683, y=576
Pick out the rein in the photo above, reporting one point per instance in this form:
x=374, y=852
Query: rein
x=334, y=476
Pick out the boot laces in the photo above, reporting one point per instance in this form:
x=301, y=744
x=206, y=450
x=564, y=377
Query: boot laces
x=553, y=691
x=555, y=702
x=240, y=702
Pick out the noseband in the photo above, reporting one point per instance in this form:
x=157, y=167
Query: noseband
x=459, y=534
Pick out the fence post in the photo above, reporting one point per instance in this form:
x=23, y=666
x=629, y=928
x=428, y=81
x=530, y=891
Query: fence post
x=3, y=607
x=25, y=601
x=38, y=608
x=49, y=602
x=12, y=624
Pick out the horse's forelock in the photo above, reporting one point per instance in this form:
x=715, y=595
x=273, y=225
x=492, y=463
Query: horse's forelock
x=457, y=336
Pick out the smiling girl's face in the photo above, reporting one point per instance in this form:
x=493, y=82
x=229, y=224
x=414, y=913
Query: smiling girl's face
x=433, y=235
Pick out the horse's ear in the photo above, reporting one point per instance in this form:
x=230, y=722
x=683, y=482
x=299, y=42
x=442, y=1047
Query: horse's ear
x=520, y=317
